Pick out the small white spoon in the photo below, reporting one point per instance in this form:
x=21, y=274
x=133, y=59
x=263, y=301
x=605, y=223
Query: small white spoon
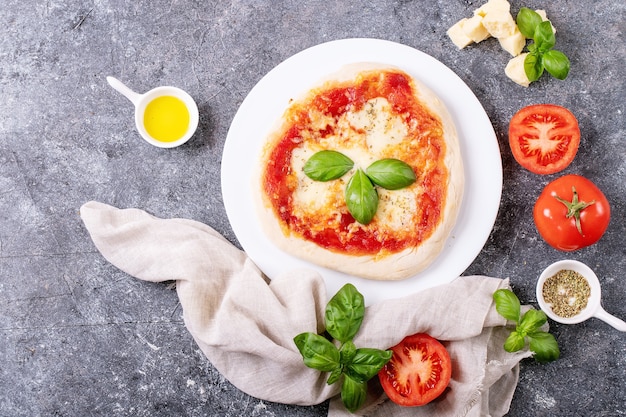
x=140, y=102
x=593, y=308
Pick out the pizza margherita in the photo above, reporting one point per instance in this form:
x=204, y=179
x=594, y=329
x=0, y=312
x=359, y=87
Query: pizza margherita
x=351, y=221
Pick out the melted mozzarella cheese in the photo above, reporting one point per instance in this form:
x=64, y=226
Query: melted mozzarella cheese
x=396, y=208
x=309, y=195
x=381, y=127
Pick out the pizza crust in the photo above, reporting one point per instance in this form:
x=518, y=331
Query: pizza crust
x=394, y=266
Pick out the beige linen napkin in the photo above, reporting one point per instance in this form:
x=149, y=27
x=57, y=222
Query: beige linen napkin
x=245, y=325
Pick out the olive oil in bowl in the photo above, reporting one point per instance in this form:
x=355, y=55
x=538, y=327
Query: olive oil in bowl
x=166, y=118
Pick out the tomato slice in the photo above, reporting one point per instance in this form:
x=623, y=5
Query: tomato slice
x=544, y=138
x=418, y=372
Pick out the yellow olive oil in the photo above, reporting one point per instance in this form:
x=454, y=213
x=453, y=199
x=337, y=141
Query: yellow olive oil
x=166, y=118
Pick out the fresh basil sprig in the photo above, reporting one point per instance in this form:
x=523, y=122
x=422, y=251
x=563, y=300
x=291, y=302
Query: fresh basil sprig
x=541, y=54
x=343, y=317
x=360, y=194
x=542, y=344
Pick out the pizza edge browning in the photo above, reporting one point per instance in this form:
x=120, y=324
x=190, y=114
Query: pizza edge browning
x=395, y=266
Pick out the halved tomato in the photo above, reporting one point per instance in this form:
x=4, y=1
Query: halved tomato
x=418, y=372
x=544, y=138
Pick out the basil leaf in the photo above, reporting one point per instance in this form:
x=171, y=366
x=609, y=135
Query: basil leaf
x=531, y=321
x=544, y=345
x=335, y=375
x=544, y=36
x=344, y=313
x=533, y=66
x=367, y=363
x=391, y=174
x=347, y=352
x=556, y=63
x=507, y=304
x=514, y=342
x=353, y=393
x=361, y=197
x=527, y=21
x=318, y=352
x=327, y=165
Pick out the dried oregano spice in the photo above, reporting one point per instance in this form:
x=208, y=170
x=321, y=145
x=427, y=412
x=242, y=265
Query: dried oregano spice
x=567, y=292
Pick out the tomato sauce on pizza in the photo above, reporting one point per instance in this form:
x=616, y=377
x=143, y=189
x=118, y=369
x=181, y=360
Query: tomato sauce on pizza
x=377, y=115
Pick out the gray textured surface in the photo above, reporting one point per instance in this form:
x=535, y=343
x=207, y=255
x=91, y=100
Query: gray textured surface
x=79, y=337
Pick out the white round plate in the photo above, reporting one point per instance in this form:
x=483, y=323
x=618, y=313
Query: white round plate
x=266, y=103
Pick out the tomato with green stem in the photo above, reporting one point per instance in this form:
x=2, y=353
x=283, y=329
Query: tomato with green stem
x=571, y=213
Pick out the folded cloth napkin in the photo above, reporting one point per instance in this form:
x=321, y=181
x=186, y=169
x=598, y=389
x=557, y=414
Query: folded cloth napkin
x=245, y=324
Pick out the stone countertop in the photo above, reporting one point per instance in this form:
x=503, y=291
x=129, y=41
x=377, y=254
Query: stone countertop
x=80, y=337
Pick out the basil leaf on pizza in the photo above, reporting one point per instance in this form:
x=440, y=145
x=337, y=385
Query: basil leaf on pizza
x=391, y=174
x=337, y=183
x=327, y=165
x=361, y=197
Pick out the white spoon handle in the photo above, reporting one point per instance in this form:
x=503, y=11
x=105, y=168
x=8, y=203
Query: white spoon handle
x=125, y=91
x=619, y=324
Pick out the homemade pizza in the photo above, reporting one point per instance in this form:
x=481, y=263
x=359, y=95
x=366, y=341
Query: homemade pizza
x=363, y=175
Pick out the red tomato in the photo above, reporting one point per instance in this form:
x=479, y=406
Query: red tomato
x=418, y=372
x=571, y=213
x=544, y=138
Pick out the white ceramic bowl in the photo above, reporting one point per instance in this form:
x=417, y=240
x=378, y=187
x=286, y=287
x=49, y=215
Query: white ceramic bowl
x=593, y=308
x=141, y=101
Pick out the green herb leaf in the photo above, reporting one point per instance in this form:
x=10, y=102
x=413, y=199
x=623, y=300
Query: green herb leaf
x=514, y=342
x=507, y=304
x=533, y=66
x=527, y=21
x=361, y=197
x=544, y=36
x=347, y=352
x=531, y=321
x=544, y=345
x=556, y=63
x=335, y=375
x=327, y=165
x=344, y=313
x=318, y=352
x=367, y=363
x=541, y=55
x=353, y=393
x=391, y=174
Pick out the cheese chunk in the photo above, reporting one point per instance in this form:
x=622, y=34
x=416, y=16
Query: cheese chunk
x=514, y=43
x=474, y=29
x=458, y=36
x=491, y=6
x=499, y=23
x=515, y=70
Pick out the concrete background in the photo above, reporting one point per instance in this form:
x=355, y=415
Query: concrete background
x=80, y=338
